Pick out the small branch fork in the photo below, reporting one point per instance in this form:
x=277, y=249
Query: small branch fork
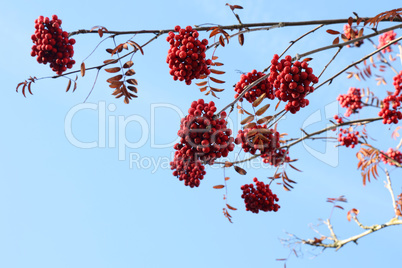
x=337, y=243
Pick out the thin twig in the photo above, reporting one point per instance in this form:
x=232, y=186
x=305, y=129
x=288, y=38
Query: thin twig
x=232, y=27
x=388, y=185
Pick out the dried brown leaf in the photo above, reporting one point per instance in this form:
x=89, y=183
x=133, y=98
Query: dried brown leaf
x=230, y=207
x=132, y=81
x=216, y=80
x=113, y=70
x=262, y=110
x=128, y=64
x=248, y=119
x=241, y=39
x=336, y=41
x=259, y=100
x=200, y=84
x=130, y=72
x=332, y=31
x=82, y=69
x=216, y=71
x=228, y=164
x=68, y=85
x=221, y=40
x=240, y=170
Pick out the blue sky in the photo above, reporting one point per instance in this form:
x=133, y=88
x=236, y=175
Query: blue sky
x=110, y=206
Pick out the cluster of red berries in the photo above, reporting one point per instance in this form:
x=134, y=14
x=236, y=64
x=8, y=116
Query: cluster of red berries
x=391, y=153
x=265, y=140
x=348, y=138
x=186, y=168
x=186, y=56
x=204, y=137
x=259, y=138
x=397, y=83
x=347, y=32
x=338, y=119
x=259, y=198
x=276, y=157
x=252, y=94
x=291, y=81
x=351, y=101
x=52, y=45
x=385, y=39
x=393, y=116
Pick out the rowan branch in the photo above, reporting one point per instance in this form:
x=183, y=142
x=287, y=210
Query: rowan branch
x=232, y=27
x=308, y=136
x=337, y=244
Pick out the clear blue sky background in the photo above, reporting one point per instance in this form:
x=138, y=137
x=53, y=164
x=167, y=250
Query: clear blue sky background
x=63, y=206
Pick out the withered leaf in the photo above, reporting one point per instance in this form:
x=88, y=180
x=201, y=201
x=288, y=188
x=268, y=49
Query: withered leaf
x=113, y=70
x=68, y=85
x=134, y=89
x=295, y=168
x=350, y=21
x=336, y=41
x=240, y=170
x=110, y=61
x=216, y=80
x=248, y=119
x=128, y=64
x=241, y=39
x=200, y=84
x=137, y=46
x=230, y=207
x=259, y=100
x=217, y=89
x=115, y=84
x=130, y=72
x=262, y=110
x=82, y=69
x=132, y=81
x=217, y=63
x=276, y=107
x=221, y=40
x=265, y=119
x=114, y=78
x=332, y=31
x=228, y=164
x=216, y=71
x=250, y=125
x=218, y=186
x=214, y=32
